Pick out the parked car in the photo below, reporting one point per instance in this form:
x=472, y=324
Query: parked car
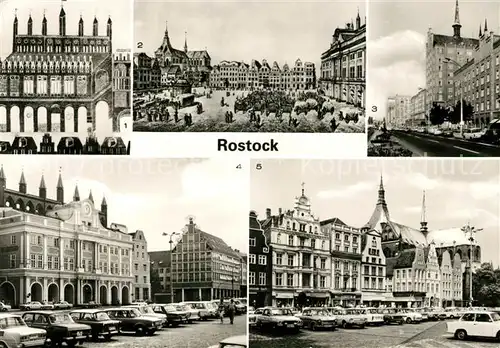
x=439, y=313
x=475, y=324
x=201, y=307
x=447, y=133
x=5, y=307
x=63, y=305
x=60, y=327
x=373, y=317
x=28, y=306
x=47, y=305
x=91, y=304
x=149, y=312
x=253, y=315
x=193, y=313
x=233, y=342
x=411, y=316
x=240, y=307
x=473, y=133
x=15, y=333
x=318, y=318
x=278, y=318
x=349, y=317
x=453, y=313
x=175, y=317
x=99, y=321
x=423, y=312
x=132, y=320
x=429, y=314
x=392, y=315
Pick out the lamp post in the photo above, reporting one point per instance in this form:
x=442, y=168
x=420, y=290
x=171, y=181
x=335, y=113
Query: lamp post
x=170, y=241
x=449, y=60
x=469, y=233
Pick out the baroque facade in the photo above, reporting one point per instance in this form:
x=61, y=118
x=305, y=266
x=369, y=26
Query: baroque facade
x=260, y=264
x=140, y=258
x=55, y=250
x=240, y=75
x=343, y=64
x=58, y=83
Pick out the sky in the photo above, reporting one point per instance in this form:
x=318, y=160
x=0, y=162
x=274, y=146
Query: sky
x=397, y=33
x=119, y=10
x=152, y=195
x=245, y=30
x=457, y=192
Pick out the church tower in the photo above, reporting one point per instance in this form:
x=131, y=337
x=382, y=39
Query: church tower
x=44, y=25
x=22, y=184
x=185, y=42
x=109, y=28
x=423, y=220
x=103, y=214
x=95, y=27
x=62, y=22
x=76, y=194
x=358, y=21
x=80, y=26
x=60, y=189
x=3, y=185
x=15, y=32
x=30, y=26
x=456, y=24
x=42, y=189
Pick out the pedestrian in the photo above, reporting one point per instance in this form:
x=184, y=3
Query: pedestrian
x=231, y=310
x=221, y=310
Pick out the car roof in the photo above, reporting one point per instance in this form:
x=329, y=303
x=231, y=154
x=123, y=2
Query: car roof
x=89, y=310
x=478, y=312
x=8, y=315
x=118, y=308
x=240, y=340
x=43, y=312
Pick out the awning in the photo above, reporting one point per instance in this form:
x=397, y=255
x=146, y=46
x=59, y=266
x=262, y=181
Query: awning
x=317, y=294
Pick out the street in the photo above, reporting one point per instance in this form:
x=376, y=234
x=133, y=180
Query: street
x=424, y=335
x=438, y=146
x=202, y=334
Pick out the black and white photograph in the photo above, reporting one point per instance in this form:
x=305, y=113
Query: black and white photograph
x=374, y=253
x=434, y=85
x=249, y=66
x=120, y=252
x=65, y=77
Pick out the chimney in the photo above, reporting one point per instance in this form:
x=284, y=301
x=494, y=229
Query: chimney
x=280, y=211
x=268, y=212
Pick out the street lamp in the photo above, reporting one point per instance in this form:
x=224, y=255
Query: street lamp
x=470, y=232
x=170, y=236
x=449, y=60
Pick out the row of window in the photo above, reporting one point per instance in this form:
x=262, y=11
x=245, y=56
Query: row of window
x=290, y=281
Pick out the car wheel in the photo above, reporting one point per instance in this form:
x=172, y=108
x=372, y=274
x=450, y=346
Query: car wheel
x=408, y=320
x=401, y=322
x=461, y=335
x=3, y=345
x=362, y=326
x=139, y=330
x=498, y=336
x=452, y=317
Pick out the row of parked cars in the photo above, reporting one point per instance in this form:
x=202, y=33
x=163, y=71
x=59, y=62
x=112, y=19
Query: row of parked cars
x=42, y=327
x=314, y=318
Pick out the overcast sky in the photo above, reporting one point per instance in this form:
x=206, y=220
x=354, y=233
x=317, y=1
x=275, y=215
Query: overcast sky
x=119, y=10
x=457, y=191
x=148, y=194
x=244, y=30
x=397, y=34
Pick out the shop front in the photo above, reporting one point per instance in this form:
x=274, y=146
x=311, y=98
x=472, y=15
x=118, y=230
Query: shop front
x=345, y=299
x=283, y=299
x=409, y=299
x=372, y=299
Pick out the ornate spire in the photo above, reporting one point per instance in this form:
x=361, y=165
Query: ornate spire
x=59, y=180
x=42, y=183
x=104, y=203
x=423, y=220
x=480, y=32
x=22, y=180
x=185, y=42
x=485, y=25
x=456, y=24
x=381, y=191
x=91, y=197
x=62, y=13
x=76, y=195
x=15, y=16
x=2, y=173
x=303, y=190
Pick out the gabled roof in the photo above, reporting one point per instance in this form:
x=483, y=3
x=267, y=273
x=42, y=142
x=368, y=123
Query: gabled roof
x=20, y=142
x=405, y=259
x=409, y=235
x=217, y=244
x=440, y=40
x=335, y=221
x=198, y=55
x=110, y=142
x=160, y=258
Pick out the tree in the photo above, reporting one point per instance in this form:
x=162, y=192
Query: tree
x=467, y=113
x=438, y=115
x=154, y=278
x=486, y=285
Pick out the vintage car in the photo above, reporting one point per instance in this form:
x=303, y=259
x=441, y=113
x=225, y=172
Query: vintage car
x=47, y=306
x=62, y=305
x=5, y=307
x=91, y=304
x=29, y=306
x=241, y=308
x=373, y=317
x=201, y=307
x=349, y=317
x=317, y=318
x=430, y=313
x=149, y=312
x=278, y=318
x=60, y=327
x=253, y=315
x=193, y=313
x=233, y=342
x=473, y=133
x=391, y=316
x=453, y=313
x=423, y=312
x=174, y=316
x=100, y=322
x=15, y=333
x=475, y=324
x=411, y=316
x=132, y=320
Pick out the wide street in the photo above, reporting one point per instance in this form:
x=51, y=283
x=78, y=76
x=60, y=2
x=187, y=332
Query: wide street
x=424, y=335
x=438, y=146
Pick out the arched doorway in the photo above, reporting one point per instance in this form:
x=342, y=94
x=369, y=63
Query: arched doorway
x=53, y=293
x=42, y=120
x=69, y=293
x=36, y=292
x=29, y=125
x=103, y=121
x=82, y=120
x=8, y=293
x=55, y=118
x=103, y=295
x=69, y=120
x=15, y=125
x=87, y=293
x=125, y=295
x=114, y=295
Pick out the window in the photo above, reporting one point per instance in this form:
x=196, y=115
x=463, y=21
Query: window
x=145, y=279
x=12, y=261
x=279, y=279
x=251, y=259
x=13, y=240
x=39, y=261
x=290, y=240
x=262, y=260
x=262, y=278
x=322, y=281
x=251, y=278
x=279, y=259
x=252, y=242
x=290, y=260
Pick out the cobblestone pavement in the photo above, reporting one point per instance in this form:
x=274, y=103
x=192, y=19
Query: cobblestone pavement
x=424, y=335
x=197, y=335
